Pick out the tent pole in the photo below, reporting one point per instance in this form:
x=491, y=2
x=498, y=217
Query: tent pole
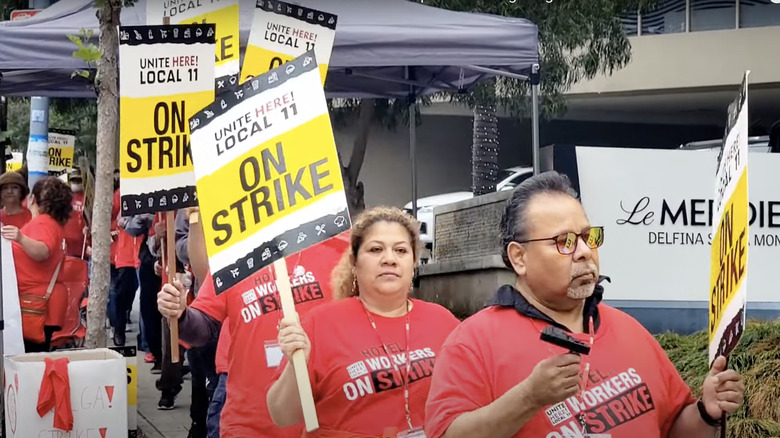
x=535, y=117
x=413, y=150
x=409, y=73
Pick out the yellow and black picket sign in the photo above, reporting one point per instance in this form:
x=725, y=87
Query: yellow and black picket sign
x=729, y=253
x=62, y=144
x=166, y=76
x=268, y=175
x=283, y=31
x=224, y=14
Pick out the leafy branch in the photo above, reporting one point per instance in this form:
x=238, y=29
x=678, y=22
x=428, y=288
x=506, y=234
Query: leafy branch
x=87, y=52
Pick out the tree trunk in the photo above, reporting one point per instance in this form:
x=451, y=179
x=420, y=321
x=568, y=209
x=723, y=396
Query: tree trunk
x=107, y=89
x=350, y=173
x=484, y=151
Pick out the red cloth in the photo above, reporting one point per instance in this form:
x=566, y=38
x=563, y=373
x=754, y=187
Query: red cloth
x=356, y=389
x=33, y=277
x=223, y=347
x=18, y=220
x=55, y=393
x=633, y=388
x=253, y=315
x=74, y=228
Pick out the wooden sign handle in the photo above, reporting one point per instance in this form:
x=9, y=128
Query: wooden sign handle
x=170, y=239
x=299, y=357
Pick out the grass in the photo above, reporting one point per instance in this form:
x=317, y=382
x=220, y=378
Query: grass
x=756, y=358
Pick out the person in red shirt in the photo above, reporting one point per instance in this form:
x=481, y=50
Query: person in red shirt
x=76, y=231
x=497, y=378
x=371, y=353
x=124, y=280
x=38, y=251
x=13, y=190
x=251, y=311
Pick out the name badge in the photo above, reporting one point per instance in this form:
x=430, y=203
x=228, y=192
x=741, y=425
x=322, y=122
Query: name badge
x=273, y=354
x=417, y=432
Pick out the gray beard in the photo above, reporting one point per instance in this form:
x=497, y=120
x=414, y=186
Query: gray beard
x=581, y=292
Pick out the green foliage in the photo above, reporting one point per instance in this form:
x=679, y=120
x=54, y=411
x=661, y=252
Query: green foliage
x=79, y=115
x=577, y=40
x=8, y=6
x=756, y=358
x=87, y=52
x=388, y=113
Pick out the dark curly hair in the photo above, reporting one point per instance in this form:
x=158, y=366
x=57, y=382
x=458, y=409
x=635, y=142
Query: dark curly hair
x=54, y=198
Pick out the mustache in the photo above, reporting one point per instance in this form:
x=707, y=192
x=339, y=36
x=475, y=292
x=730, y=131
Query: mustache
x=589, y=269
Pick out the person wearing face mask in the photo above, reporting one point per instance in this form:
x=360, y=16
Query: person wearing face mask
x=496, y=378
x=13, y=191
x=76, y=230
x=371, y=353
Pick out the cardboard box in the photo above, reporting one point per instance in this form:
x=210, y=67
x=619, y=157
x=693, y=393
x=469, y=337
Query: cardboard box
x=98, y=395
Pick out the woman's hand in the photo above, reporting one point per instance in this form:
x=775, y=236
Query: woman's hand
x=292, y=338
x=11, y=233
x=169, y=301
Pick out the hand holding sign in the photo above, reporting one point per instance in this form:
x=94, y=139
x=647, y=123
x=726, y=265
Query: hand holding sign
x=170, y=301
x=269, y=183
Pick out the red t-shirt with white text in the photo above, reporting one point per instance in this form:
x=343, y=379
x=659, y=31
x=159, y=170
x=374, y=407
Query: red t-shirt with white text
x=251, y=310
x=355, y=385
x=633, y=389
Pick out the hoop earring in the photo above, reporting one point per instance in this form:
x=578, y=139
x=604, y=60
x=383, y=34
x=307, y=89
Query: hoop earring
x=354, y=286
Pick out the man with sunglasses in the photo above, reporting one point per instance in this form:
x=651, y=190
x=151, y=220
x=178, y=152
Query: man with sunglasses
x=497, y=376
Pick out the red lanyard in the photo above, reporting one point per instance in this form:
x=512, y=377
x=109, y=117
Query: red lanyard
x=407, y=360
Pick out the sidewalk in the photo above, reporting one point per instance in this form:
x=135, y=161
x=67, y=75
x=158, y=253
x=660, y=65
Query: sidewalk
x=152, y=422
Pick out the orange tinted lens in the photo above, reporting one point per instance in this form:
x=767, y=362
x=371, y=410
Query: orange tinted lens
x=567, y=243
x=595, y=237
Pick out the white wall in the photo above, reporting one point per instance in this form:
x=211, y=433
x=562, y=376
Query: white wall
x=693, y=60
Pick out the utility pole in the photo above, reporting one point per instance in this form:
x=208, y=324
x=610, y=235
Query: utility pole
x=38, y=143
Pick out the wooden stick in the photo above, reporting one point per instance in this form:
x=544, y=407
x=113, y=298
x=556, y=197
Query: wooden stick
x=170, y=239
x=299, y=357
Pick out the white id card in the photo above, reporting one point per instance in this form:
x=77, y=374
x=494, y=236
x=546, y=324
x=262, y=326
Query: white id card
x=273, y=354
x=417, y=432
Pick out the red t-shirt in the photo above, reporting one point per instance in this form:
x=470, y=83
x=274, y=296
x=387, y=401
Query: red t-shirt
x=223, y=348
x=633, y=389
x=18, y=220
x=127, y=250
x=115, y=209
x=355, y=386
x=33, y=277
x=252, y=307
x=74, y=229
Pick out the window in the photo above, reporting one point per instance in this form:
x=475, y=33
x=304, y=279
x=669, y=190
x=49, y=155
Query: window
x=630, y=23
x=758, y=13
x=667, y=17
x=713, y=15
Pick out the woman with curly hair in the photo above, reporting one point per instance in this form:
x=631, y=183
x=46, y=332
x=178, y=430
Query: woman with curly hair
x=371, y=352
x=38, y=250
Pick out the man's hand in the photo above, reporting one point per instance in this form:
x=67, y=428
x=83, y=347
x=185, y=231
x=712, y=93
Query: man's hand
x=554, y=379
x=723, y=390
x=159, y=230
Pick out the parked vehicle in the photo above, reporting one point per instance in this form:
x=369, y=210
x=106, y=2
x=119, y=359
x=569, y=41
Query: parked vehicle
x=509, y=179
